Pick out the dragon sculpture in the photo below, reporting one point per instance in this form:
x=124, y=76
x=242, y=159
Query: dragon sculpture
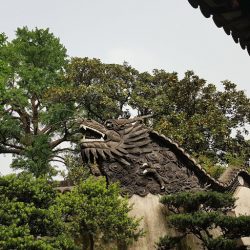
x=143, y=161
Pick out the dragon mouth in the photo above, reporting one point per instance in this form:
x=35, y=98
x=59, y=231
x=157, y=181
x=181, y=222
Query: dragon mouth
x=91, y=134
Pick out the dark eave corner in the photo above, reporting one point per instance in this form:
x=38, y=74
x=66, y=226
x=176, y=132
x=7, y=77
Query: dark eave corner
x=231, y=15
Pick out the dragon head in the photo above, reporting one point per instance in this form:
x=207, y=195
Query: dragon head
x=125, y=150
x=114, y=139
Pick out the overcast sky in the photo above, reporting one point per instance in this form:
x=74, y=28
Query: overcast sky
x=148, y=34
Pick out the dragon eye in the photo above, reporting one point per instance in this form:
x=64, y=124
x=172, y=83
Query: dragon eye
x=109, y=125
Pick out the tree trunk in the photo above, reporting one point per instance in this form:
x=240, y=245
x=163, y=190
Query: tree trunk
x=91, y=241
x=121, y=245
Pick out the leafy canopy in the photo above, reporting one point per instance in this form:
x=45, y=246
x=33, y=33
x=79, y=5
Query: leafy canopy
x=33, y=215
x=32, y=62
x=97, y=213
x=28, y=218
x=196, y=114
x=43, y=92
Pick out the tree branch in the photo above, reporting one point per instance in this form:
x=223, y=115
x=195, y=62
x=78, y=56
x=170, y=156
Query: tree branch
x=4, y=150
x=46, y=130
x=64, y=149
x=57, y=161
x=57, y=142
x=12, y=146
x=63, y=139
x=35, y=113
x=58, y=156
x=25, y=118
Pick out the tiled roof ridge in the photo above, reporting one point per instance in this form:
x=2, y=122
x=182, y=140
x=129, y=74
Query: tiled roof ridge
x=229, y=15
x=219, y=184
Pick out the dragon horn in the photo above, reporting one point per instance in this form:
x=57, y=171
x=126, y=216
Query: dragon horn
x=138, y=118
x=143, y=117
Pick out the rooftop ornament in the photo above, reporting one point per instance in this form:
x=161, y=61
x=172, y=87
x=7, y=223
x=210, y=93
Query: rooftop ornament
x=231, y=15
x=144, y=161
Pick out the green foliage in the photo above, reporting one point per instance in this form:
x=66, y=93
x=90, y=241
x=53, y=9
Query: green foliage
x=25, y=188
x=36, y=157
x=98, y=90
x=211, y=165
x=235, y=160
x=77, y=172
x=194, y=222
x=33, y=215
x=194, y=113
x=43, y=92
x=3, y=63
x=221, y=243
x=31, y=63
x=98, y=213
x=234, y=227
x=177, y=106
x=28, y=218
x=192, y=202
x=102, y=89
x=200, y=213
x=168, y=242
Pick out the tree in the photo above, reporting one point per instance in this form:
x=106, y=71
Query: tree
x=96, y=214
x=42, y=96
x=103, y=89
x=31, y=128
x=33, y=215
x=28, y=218
x=3, y=63
x=177, y=107
x=76, y=170
x=195, y=114
x=204, y=214
x=43, y=92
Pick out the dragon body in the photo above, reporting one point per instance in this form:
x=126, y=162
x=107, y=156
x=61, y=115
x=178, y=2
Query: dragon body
x=144, y=161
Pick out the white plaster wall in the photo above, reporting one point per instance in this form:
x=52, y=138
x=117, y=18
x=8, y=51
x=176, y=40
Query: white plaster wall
x=153, y=221
x=243, y=206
